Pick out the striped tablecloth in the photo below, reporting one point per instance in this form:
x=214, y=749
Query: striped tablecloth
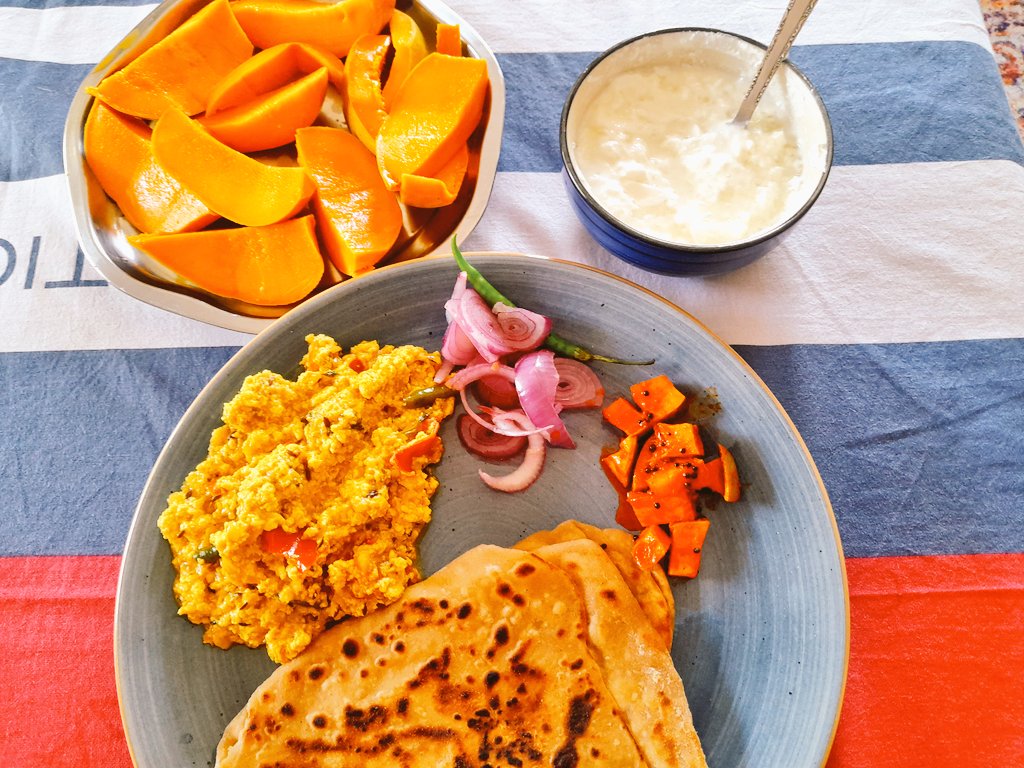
x=890, y=324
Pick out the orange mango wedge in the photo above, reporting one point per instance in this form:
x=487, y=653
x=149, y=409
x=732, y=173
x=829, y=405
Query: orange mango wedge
x=119, y=152
x=182, y=69
x=269, y=266
x=232, y=184
x=272, y=69
x=436, y=191
x=364, y=109
x=272, y=119
x=331, y=26
x=438, y=108
x=410, y=47
x=449, y=40
x=359, y=219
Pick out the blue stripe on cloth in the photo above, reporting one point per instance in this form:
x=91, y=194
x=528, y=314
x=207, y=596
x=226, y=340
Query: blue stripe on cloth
x=34, y=103
x=906, y=436
x=889, y=103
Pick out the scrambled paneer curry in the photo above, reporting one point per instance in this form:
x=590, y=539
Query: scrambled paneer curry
x=308, y=507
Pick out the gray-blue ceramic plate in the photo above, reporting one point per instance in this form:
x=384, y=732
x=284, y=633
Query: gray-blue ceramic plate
x=762, y=634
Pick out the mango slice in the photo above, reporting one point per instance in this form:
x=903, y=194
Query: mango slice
x=119, y=152
x=410, y=48
x=449, y=40
x=234, y=185
x=269, y=266
x=182, y=69
x=359, y=219
x=271, y=69
x=272, y=119
x=438, y=108
x=331, y=26
x=364, y=108
x=436, y=191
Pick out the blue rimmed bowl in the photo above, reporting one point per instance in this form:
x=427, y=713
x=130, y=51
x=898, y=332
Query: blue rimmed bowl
x=626, y=239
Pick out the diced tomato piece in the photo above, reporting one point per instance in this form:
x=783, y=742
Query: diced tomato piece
x=657, y=397
x=651, y=509
x=357, y=365
x=623, y=415
x=620, y=463
x=280, y=542
x=650, y=547
x=687, y=543
x=304, y=551
x=624, y=514
x=423, y=444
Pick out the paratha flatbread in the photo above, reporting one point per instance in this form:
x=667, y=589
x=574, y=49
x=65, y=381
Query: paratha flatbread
x=651, y=588
x=503, y=657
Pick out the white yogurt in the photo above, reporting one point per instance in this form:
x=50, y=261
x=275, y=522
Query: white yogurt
x=651, y=138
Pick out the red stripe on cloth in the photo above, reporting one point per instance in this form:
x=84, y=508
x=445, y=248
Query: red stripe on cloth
x=57, y=673
x=936, y=663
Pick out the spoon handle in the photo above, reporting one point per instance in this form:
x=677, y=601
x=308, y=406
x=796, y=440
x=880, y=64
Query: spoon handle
x=792, y=20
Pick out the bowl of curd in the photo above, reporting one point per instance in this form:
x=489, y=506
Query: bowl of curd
x=659, y=173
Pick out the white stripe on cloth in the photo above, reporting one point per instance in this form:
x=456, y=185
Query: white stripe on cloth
x=84, y=34
x=541, y=25
x=889, y=253
x=66, y=35
x=49, y=299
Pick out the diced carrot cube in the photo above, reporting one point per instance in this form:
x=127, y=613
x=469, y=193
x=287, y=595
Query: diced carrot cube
x=620, y=463
x=624, y=416
x=651, y=509
x=687, y=544
x=678, y=439
x=624, y=515
x=650, y=547
x=657, y=397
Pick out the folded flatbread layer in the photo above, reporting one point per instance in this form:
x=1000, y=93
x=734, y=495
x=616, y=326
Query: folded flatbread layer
x=503, y=657
x=650, y=588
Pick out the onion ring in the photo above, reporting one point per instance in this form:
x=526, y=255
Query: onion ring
x=578, y=385
x=523, y=476
x=487, y=443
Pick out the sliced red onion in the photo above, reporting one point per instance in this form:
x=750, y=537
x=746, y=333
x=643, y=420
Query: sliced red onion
x=522, y=329
x=443, y=371
x=457, y=346
x=497, y=424
x=536, y=382
x=578, y=385
x=523, y=476
x=462, y=379
x=485, y=442
x=481, y=325
x=457, y=291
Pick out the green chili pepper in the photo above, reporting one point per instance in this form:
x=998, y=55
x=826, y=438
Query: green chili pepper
x=427, y=395
x=555, y=343
x=208, y=555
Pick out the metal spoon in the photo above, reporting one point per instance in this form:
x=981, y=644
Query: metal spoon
x=792, y=20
